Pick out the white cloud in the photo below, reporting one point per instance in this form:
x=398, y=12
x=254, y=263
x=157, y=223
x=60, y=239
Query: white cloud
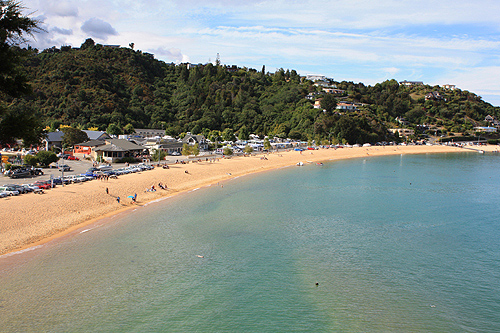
x=98, y=28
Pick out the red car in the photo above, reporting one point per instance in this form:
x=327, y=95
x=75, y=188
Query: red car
x=73, y=158
x=43, y=184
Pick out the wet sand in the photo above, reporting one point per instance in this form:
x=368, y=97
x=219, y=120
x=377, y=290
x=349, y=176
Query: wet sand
x=32, y=219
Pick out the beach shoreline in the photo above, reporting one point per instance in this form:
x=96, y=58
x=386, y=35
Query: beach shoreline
x=32, y=220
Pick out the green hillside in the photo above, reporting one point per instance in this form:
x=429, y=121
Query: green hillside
x=95, y=86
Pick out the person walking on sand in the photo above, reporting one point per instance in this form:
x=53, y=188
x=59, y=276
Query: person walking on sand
x=107, y=190
x=118, y=199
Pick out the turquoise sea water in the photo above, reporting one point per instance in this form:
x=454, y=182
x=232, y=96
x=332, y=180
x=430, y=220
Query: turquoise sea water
x=396, y=244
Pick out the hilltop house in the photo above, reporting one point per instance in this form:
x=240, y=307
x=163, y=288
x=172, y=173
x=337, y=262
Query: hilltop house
x=449, y=86
x=411, y=83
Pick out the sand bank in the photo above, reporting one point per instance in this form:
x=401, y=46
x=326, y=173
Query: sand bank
x=31, y=219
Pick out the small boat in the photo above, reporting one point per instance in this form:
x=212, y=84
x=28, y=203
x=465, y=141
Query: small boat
x=300, y=164
x=320, y=164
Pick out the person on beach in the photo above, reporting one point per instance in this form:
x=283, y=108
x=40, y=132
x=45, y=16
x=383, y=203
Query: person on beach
x=107, y=190
x=118, y=199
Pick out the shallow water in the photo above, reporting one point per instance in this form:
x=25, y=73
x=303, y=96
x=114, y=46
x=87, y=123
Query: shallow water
x=395, y=244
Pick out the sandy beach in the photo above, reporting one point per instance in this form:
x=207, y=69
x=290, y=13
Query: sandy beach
x=30, y=219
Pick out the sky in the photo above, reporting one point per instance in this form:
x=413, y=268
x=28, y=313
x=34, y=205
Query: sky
x=437, y=42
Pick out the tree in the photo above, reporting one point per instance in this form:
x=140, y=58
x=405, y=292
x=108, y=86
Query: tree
x=267, y=144
x=243, y=134
x=248, y=149
x=128, y=129
x=114, y=129
x=30, y=160
x=195, y=150
x=158, y=155
x=186, y=149
x=228, y=151
x=46, y=157
x=73, y=136
x=328, y=103
x=228, y=135
x=13, y=83
x=89, y=42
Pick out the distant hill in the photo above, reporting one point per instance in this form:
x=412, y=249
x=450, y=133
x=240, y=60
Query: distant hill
x=95, y=86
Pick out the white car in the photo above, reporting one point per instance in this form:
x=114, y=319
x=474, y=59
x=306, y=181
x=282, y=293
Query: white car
x=9, y=191
x=4, y=194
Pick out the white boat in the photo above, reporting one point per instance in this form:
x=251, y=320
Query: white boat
x=300, y=164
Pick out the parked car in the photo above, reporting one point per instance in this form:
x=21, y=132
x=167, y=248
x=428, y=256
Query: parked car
x=64, y=167
x=19, y=173
x=16, y=187
x=9, y=190
x=73, y=158
x=43, y=185
x=4, y=194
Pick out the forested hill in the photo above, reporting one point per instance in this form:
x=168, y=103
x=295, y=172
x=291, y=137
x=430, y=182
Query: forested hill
x=95, y=86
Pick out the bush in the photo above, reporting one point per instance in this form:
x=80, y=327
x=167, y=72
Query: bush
x=228, y=151
x=31, y=160
x=493, y=141
x=46, y=157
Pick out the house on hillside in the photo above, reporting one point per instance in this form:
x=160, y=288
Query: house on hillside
x=486, y=129
x=449, y=86
x=346, y=106
x=434, y=96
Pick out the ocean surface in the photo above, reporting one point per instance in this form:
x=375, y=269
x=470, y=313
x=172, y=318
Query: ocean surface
x=384, y=244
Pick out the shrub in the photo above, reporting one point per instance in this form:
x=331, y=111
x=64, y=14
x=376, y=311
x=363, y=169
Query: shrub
x=31, y=160
x=46, y=157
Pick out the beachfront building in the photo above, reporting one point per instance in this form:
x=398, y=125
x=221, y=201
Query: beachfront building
x=149, y=132
x=85, y=149
x=97, y=135
x=53, y=139
x=116, y=149
x=191, y=140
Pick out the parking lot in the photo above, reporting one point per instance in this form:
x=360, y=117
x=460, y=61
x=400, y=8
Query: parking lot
x=77, y=167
